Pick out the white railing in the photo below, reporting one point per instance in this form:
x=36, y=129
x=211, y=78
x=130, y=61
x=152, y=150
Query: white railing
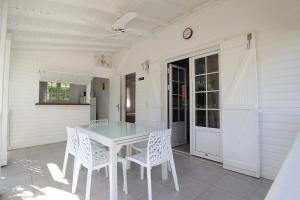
x=287, y=181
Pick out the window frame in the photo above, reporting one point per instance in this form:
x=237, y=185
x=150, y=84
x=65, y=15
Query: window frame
x=206, y=92
x=58, y=93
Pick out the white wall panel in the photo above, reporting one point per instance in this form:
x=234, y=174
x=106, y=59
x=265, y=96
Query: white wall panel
x=276, y=25
x=32, y=124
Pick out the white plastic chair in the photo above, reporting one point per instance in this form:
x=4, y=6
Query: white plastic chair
x=142, y=146
x=72, y=147
x=92, y=161
x=159, y=151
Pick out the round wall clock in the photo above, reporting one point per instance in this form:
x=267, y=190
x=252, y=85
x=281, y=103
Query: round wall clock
x=187, y=33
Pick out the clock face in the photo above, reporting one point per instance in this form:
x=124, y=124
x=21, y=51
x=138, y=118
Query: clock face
x=187, y=33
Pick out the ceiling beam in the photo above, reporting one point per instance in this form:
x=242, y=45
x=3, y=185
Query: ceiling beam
x=173, y=4
x=62, y=48
x=67, y=42
x=89, y=5
x=54, y=17
x=51, y=16
x=47, y=30
x=107, y=10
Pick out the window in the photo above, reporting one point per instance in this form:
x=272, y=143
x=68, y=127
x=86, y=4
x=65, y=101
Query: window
x=207, y=108
x=58, y=91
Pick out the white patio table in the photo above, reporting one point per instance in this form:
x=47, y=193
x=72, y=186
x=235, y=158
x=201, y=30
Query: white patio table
x=115, y=136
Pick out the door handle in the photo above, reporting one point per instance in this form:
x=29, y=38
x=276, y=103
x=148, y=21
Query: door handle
x=118, y=106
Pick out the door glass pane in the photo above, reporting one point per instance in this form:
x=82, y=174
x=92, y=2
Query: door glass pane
x=201, y=118
x=213, y=81
x=181, y=115
x=181, y=75
x=174, y=74
x=213, y=119
x=200, y=83
x=200, y=100
x=175, y=101
x=200, y=66
x=175, y=115
x=175, y=87
x=213, y=100
x=181, y=88
x=181, y=101
x=212, y=63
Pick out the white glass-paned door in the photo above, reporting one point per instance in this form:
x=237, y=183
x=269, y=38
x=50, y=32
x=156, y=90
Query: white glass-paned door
x=206, y=106
x=177, y=104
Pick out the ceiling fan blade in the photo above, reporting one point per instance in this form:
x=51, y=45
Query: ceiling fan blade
x=124, y=20
x=139, y=32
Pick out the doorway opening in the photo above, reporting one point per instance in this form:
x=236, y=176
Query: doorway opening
x=130, y=84
x=99, y=99
x=178, y=104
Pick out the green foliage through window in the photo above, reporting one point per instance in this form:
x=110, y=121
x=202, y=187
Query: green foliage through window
x=58, y=91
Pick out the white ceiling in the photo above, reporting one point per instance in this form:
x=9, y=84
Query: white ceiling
x=80, y=24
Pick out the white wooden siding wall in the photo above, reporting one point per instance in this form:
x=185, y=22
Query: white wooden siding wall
x=148, y=93
x=141, y=95
x=29, y=124
x=278, y=64
x=279, y=96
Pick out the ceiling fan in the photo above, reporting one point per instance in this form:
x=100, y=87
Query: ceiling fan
x=119, y=27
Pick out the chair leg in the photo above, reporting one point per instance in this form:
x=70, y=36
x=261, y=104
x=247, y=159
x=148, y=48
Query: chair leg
x=75, y=176
x=106, y=171
x=142, y=172
x=88, y=184
x=65, y=163
x=124, y=166
x=149, y=183
x=174, y=173
x=128, y=153
x=169, y=167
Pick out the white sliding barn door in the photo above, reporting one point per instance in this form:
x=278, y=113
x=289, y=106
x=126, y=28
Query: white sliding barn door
x=114, y=98
x=154, y=91
x=240, y=128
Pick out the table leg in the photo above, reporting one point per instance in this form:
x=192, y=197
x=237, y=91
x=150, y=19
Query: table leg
x=128, y=153
x=164, y=171
x=113, y=174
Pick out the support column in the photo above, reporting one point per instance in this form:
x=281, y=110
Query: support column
x=3, y=42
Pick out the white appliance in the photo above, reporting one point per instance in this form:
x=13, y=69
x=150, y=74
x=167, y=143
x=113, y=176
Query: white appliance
x=93, y=108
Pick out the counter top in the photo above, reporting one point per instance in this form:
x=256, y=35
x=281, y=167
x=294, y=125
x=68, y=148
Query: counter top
x=67, y=103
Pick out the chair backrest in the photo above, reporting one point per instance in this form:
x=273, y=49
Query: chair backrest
x=85, y=155
x=72, y=140
x=159, y=147
x=98, y=122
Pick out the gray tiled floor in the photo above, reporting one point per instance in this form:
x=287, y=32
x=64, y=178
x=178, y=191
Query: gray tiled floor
x=35, y=173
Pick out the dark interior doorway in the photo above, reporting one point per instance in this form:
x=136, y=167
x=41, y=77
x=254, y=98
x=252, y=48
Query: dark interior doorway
x=178, y=104
x=99, y=99
x=130, y=84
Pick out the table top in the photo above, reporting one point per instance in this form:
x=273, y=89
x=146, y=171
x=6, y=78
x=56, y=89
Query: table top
x=118, y=130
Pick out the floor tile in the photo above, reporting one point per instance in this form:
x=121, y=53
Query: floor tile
x=208, y=175
x=266, y=183
x=164, y=193
x=214, y=193
x=187, y=186
x=37, y=171
x=260, y=194
x=15, y=180
x=237, y=186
